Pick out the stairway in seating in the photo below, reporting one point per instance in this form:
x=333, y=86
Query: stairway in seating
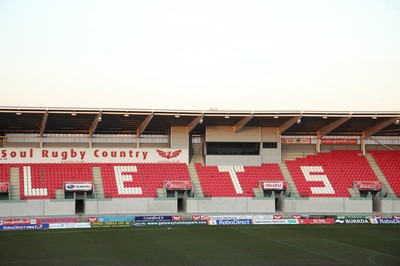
x=287, y=175
x=59, y=194
x=98, y=182
x=14, y=183
x=353, y=193
x=161, y=192
x=379, y=174
x=194, y=176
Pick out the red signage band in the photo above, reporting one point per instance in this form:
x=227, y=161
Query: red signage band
x=368, y=185
x=273, y=185
x=4, y=187
x=178, y=185
x=339, y=141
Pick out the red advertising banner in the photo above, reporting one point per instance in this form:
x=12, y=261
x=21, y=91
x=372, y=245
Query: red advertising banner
x=368, y=185
x=295, y=216
x=18, y=222
x=339, y=141
x=196, y=217
x=277, y=216
x=273, y=185
x=57, y=220
x=78, y=186
x=177, y=218
x=296, y=141
x=178, y=185
x=4, y=187
x=317, y=221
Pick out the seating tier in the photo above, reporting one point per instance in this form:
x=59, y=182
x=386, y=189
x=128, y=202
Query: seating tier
x=140, y=179
x=40, y=181
x=389, y=163
x=329, y=174
x=235, y=181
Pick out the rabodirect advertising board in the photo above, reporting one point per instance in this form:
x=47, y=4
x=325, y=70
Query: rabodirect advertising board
x=230, y=222
x=385, y=221
x=24, y=227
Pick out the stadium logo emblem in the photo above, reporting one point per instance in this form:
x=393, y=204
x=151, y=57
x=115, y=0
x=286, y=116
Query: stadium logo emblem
x=70, y=186
x=168, y=154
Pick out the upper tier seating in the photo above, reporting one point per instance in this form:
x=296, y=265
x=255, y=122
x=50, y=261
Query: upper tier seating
x=235, y=181
x=39, y=181
x=389, y=163
x=329, y=174
x=140, y=179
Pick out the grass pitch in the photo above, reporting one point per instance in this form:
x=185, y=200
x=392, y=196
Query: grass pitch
x=206, y=245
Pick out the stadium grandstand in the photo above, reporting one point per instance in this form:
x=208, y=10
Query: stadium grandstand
x=87, y=162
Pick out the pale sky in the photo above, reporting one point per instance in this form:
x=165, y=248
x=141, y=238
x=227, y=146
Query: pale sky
x=196, y=55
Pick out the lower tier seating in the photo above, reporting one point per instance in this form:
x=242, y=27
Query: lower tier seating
x=140, y=179
x=329, y=174
x=40, y=181
x=389, y=163
x=235, y=181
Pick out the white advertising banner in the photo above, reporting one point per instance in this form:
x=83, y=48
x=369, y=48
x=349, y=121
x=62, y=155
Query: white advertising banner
x=92, y=155
x=78, y=187
x=70, y=226
x=281, y=221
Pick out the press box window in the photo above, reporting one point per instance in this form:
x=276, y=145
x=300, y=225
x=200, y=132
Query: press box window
x=270, y=145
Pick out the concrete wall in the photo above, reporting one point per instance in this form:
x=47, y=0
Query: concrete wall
x=179, y=138
x=233, y=160
x=390, y=206
x=270, y=155
x=229, y=205
x=38, y=208
x=225, y=134
x=327, y=205
x=126, y=206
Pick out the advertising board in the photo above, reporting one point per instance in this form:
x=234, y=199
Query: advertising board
x=153, y=218
x=178, y=185
x=24, y=227
x=368, y=185
x=230, y=222
x=168, y=223
x=110, y=224
x=70, y=226
x=77, y=186
x=4, y=187
x=317, y=221
x=281, y=221
x=273, y=185
x=352, y=221
x=113, y=219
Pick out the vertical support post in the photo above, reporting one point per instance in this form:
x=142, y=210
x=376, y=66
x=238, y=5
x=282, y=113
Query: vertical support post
x=363, y=143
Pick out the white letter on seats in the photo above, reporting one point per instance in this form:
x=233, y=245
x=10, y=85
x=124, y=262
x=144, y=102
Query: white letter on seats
x=28, y=190
x=327, y=189
x=121, y=178
x=232, y=170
